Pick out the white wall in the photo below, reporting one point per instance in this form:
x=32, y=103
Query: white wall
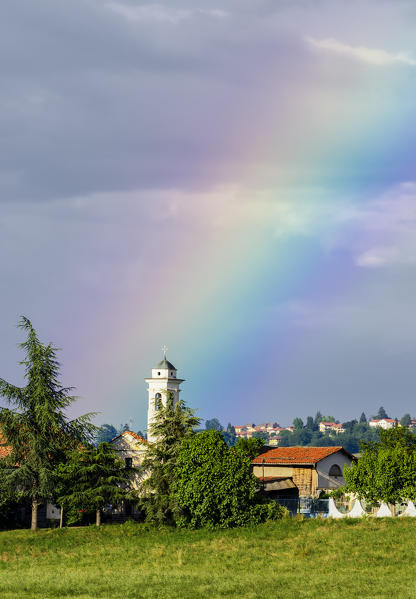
x=329, y=482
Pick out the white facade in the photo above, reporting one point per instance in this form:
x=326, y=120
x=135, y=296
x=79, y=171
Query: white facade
x=164, y=381
x=131, y=449
x=385, y=423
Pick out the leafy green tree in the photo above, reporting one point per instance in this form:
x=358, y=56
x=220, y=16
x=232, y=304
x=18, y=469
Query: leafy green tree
x=382, y=413
x=387, y=469
x=252, y=446
x=213, y=424
x=172, y=423
x=214, y=485
x=328, y=419
x=105, y=433
x=37, y=429
x=405, y=420
x=92, y=478
x=363, y=419
x=261, y=435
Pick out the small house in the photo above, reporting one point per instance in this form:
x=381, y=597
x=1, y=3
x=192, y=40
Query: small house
x=290, y=472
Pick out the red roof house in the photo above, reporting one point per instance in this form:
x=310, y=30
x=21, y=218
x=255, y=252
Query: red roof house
x=311, y=469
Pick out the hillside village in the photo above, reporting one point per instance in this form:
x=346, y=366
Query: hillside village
x=272, y=431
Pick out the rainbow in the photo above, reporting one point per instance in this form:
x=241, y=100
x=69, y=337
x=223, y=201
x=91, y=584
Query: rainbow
x=209, y=278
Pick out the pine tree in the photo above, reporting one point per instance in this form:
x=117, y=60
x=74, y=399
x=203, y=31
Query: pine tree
x=37, y=429
x=91, y=479
x=172, y=423
x=382, y=413
x=363, y=419
x=318, y=417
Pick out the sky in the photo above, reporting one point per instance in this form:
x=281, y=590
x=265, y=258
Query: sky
x=234, y=179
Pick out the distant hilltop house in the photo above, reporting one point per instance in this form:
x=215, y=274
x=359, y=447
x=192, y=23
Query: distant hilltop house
x=291, y=472
x=332, y=427
x=245, y=431
x=385, y=423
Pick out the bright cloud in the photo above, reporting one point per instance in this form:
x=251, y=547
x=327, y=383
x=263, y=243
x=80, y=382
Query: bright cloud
x=374, y=56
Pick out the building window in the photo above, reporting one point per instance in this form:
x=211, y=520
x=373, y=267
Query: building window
x=128, y=462
x=335, y=471
x=158, y=374
x=158, y=401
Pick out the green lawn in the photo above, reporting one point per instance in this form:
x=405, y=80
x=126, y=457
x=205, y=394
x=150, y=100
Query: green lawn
x=287, y=559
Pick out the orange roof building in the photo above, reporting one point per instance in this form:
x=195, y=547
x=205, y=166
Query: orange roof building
x=301, y=471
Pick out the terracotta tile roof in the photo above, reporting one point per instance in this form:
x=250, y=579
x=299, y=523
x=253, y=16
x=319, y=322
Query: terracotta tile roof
x=132, y=434
x=296, y=455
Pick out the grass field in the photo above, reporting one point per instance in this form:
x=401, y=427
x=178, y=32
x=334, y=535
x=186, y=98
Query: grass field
x=287, y=559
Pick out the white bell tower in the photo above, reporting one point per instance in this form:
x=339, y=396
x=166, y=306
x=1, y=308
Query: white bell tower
x=163, y=381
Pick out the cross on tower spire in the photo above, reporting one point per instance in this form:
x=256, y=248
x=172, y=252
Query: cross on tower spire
x=164, y=349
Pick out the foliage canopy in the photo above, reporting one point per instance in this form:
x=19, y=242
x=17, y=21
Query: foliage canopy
x=92, y=478
x=386, y=470
x=36, y=427
x=214, y=486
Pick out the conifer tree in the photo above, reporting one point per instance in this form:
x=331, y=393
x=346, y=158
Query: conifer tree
x=36, y=427
x=92, y=478
x=173, y=422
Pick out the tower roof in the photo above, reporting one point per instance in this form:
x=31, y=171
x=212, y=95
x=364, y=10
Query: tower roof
x=165, y=365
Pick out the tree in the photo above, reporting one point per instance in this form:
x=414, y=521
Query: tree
x=213, y=424
x=387, y=469
x=363, y=419
x=382, y=413
x=349, y=425
x=261, y=435
x=172, y=424
x=37, y=429
x=405, y=420
x=318, y=417
x=310, y=424
x=105, y=433
x=92, y=478
x=229, y=435
x=214, y=485
x=328, y=419
x=252, y=446
x=298, y=423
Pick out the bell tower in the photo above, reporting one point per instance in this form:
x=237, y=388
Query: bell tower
x=163, y=381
